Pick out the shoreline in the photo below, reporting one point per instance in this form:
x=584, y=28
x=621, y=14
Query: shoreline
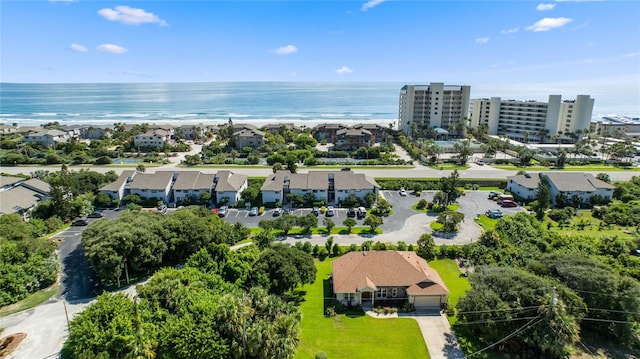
x=204, y=122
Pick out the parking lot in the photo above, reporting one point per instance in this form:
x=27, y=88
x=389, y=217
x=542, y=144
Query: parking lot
x=472, y=204
x=242, y=216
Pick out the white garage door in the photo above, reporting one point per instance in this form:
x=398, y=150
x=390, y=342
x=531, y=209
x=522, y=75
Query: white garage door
x=425, y=301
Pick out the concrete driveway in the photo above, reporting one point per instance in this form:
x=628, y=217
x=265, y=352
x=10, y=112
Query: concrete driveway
x=438, y=335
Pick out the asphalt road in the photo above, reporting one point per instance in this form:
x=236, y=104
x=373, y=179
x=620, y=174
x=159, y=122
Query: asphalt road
x=474, y=171
x=77, y=280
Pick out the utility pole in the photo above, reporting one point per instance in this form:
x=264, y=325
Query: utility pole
x=66, y=314
x=244, y=339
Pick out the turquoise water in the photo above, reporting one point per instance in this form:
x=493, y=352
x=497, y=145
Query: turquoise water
x=106, y=104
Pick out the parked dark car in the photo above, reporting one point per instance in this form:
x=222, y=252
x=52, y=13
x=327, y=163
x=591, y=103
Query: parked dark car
x=96, y=215
x=315, y=211
x=508, y=203
x=80, y=222
x=351, y=212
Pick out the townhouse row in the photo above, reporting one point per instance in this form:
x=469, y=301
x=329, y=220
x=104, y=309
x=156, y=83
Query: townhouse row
x=333, y=187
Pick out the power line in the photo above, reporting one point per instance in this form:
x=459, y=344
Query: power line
x=499, y=310
x=608, y=321
x=529, y=324
x=494, y=321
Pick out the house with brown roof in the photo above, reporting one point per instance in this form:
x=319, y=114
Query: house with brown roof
x=362, y=278
x=352, y=139
x=379, y=132
x=575, y=186
x=154, y=138
x=327, y=131
x=279, y=128
x=46, y=138
x=248, y=138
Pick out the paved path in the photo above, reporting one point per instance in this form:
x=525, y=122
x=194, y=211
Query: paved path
x=440, y=339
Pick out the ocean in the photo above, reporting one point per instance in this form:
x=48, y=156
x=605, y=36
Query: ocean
x=255, y=102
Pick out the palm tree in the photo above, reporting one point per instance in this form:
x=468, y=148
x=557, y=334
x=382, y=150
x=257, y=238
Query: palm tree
x=526, y=136
x=234, y=153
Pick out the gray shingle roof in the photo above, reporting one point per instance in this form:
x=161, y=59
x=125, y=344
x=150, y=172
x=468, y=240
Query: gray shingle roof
x=193, y=180
x=583, y=182
x=17, y=199
x=117, y=184
x=530, y=181
x=150, y=181
x=37, y=185
x=275, y=182
x=229, y=181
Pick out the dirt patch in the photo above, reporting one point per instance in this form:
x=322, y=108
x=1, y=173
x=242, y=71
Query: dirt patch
x=9, y=343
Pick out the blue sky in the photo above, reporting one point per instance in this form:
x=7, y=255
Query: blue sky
x=407, y=41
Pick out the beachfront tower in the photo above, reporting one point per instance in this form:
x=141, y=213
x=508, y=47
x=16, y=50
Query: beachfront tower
x=536, y=121
x=425, y=107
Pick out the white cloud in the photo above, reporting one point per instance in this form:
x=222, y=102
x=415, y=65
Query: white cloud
x=549, y=23
x=510, y=31
x=77, y=48
x=343, y=70
x=545, y=7
x=131, y=16
x=286, y=50
x=482, y=40
x=370, y=4
x=111, y=48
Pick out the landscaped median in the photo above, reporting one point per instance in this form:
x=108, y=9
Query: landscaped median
x=352, y=334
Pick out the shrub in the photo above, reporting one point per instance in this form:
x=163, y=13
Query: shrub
x=104, y=160
x=321, y=355
x=422, y=204
x=353, y=247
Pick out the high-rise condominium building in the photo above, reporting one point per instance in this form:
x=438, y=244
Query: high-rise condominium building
x=515, y=118
x=431, y=106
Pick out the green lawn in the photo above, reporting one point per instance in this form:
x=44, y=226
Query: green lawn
x=485, y=222
x=450, y=274
x=353, y=335
x=30, y=301
x=451, y=207
x=598, y=167
x=449, y=167
x=320, y=230
x=592, y=228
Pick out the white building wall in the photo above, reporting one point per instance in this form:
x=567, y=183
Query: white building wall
x=231, y=195
x=272, y=196
x=521, y=191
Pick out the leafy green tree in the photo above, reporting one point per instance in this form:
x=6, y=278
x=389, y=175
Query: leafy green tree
x=370, y=199
x=448, y=186
x=264, y=239
x=304, y=141
x=450, y=220
x=329, y=244
x=373, y=221
x=543, y=198
x=251, y=194
x=307, y=222
x=463, y=148
x=503, y=299
x=281, y=268
x=426, y=247
x=329, y=224
x=349, y=223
